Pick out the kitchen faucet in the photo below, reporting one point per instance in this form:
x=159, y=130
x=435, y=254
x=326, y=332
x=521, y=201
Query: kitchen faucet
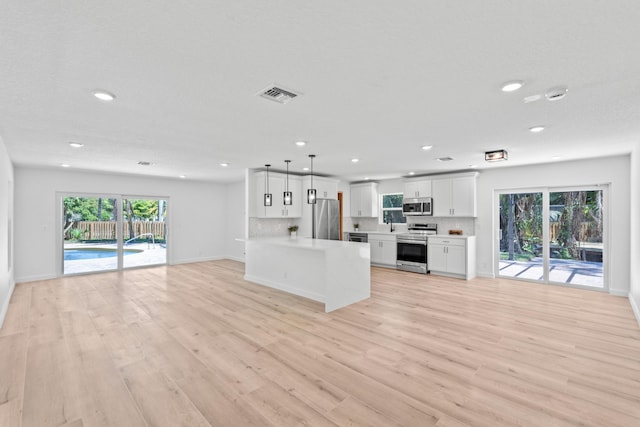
x=390, y=222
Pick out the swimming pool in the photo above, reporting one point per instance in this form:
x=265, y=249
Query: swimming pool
x=95, y=253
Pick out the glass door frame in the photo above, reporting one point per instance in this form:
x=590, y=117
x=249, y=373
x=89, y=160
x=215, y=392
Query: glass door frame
x=122, y=224
x=59, y=250
x=546, y=233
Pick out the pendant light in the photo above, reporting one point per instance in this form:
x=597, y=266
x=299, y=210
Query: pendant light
x=268, y=200
x=311, y=192
x=288, y=197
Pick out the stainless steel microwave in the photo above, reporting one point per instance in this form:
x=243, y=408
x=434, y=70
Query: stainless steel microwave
x=421, y=206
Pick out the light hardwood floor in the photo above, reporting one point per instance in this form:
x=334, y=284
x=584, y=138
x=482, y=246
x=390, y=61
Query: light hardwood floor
x=196, y=345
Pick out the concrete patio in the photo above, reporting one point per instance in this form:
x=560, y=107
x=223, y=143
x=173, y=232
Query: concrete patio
x=583, y=273
x=150, y=255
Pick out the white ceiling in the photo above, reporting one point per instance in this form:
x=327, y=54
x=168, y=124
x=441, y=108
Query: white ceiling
x=379, y=80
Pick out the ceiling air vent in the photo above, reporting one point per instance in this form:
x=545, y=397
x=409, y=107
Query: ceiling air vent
x=444, y=159
x=144, y=163
x=556, y=93
x=278, y=94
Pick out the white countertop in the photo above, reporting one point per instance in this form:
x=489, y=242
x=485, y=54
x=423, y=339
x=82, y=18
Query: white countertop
x=378, y=232
x=307, y=243
x=452, y=236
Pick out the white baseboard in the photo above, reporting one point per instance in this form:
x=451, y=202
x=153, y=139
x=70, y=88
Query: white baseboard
x=295, y=291
x=5, y=306
x=634, y=307
x=192, y=260
x=35, y=278
x=618, y=293
x=235, y=258
x=485, y=274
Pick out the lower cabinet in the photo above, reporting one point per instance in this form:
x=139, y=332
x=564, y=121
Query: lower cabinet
x=454, y=256
x=383, y=249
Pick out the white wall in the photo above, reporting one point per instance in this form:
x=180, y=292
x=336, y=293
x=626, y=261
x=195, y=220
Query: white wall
x=197, y=215
x=236, y=214
x=612, y=170
x=6, y=231
x=634, y=291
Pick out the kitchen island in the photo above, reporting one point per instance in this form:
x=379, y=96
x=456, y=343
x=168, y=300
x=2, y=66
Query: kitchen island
x=333, y=272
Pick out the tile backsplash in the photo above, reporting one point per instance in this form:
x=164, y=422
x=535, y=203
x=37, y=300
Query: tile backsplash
x=271, y=227
x=467, y=225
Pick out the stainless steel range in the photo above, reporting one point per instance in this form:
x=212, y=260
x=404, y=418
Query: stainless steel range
x=412, y=247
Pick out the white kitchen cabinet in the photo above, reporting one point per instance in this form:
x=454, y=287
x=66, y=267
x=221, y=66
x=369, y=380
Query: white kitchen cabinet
x=417, y=188
x=364, y=200
x=455, y=196
x=452, y=256
x=326, y=188
x=383, y=249
x=277, y=185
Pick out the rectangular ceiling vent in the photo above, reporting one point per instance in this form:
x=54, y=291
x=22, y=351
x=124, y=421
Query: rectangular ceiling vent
x=444, y=159
x=278, y=94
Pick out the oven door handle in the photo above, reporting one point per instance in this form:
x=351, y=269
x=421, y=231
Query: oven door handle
x=413, y=242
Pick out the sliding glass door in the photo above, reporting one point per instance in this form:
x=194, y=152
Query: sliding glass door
x=520, y=245
x=552, y=236
x=89, y=234
x=576, y=237
x=144, y=231
x=103, y=233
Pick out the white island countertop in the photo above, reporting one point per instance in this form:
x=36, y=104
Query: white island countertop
x=307, y=243
x=334, y=272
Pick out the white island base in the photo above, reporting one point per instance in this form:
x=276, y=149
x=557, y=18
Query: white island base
x=334, y=272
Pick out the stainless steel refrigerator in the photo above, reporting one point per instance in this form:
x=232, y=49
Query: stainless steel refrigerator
x=326, y=219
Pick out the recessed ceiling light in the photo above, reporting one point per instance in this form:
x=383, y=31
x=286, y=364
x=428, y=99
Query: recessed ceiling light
x=556, y=158
x=104, y=95
x=64, y=165
x=512, y=85
x=427, y=147
x=473, y=166
x=366, y=178
x=301, y=143
x=412, y=173
x=532, y=98
x=305, y=168
x=354, y=160
x=76, y=144
x=224, y=165
x=182, y=176
x=536, y=129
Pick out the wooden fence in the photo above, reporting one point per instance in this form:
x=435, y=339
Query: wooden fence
x=106, y=230
x=589, y=232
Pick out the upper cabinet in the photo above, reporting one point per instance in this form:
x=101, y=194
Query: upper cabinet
x=417, y=188
x=277, y=186
x=326, y=188
x=455, y=195
x=364, y=200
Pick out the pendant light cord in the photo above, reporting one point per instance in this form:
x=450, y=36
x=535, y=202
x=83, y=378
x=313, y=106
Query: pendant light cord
x=266, y=184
